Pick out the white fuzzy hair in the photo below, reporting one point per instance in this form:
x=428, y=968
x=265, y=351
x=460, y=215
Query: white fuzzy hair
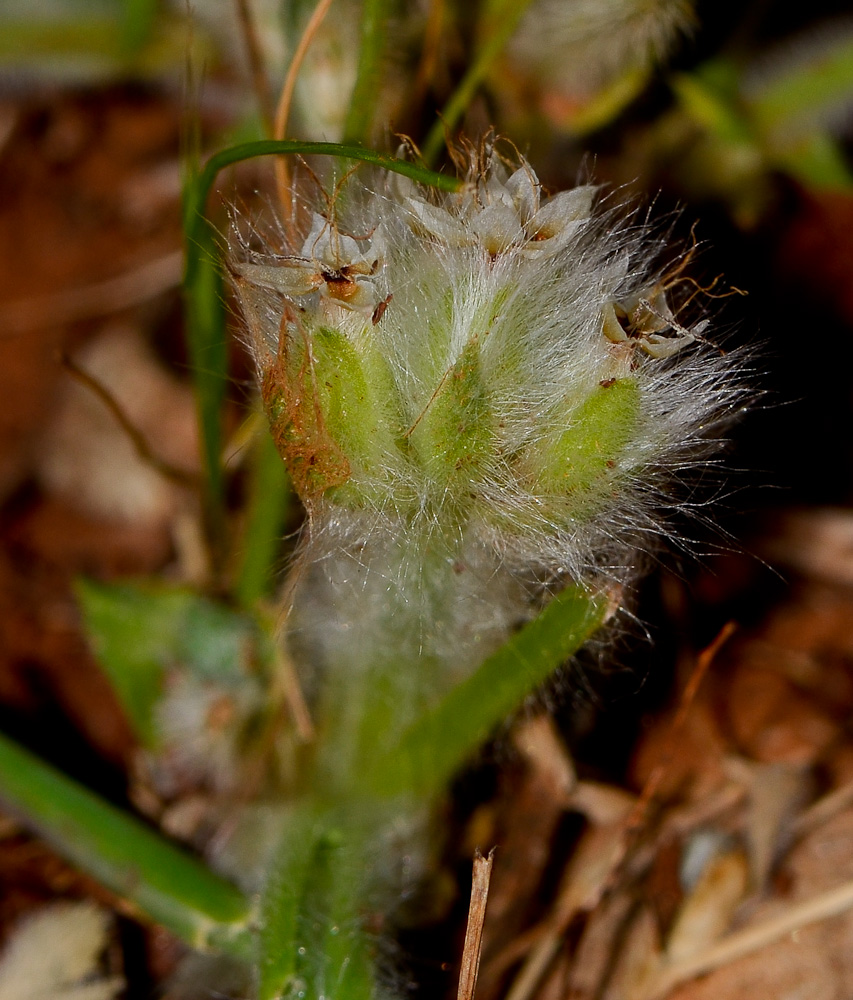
x=442, y=270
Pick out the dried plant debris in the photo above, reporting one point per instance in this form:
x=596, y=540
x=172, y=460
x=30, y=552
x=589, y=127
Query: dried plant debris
x=91, y=458
x=728, y=872
x=55, y=954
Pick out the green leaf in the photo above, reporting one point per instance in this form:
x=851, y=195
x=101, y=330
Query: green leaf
x=269, y=495
x=371, y=61
x=208, y=354
x=437, y=745
x=453, y=437
x=138, y=632
x=168, y=885
x=583, y=458
x=505, y=17
x=199, y=188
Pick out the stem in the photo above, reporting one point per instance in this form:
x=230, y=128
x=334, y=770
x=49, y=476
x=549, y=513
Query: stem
x=437, y=744
x=411, y=634
x=508, y=17
x=313, y=943
x=402, y=628
x=374, y=19
x=267, y=511
x=168, y=885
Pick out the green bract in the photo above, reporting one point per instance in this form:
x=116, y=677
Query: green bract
x=489, y=362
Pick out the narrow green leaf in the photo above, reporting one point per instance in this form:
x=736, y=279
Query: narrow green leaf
x=281, y=907
x=269, y=493
x=438, y=744
x=453, y=437
x=168, y=885
x=206, y=327
x=138, y=631
x=137, y=24
x=208, y=353
x=205, y=313
x=371, y=60
x=582, y=460
x=198, y=190
x=818, y=80
x=505, y=20
x=313, y=943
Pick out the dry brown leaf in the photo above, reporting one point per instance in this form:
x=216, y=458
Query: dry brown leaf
x=637, y=960
x=54, y=954
x=707, y=911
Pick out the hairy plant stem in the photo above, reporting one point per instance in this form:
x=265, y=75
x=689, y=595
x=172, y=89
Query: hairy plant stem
x=410, y=634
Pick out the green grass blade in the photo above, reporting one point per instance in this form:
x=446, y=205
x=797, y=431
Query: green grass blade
x=506, y=19
x=208, y=351
x=269, y=492
x=168, y=885
x=281, y=907
x=811, y=87
x=205, y=312
x=199, y=189
x=438, y=744
x=368, y=81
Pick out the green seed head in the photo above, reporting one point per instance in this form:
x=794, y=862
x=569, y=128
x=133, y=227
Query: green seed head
x=490, y=362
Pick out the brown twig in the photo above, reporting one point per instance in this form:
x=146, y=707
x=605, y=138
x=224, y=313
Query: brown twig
x=703, y=661
x=282, y=113
x=474, y=931
x=171, y=472
x=293, y=694
x=744, y=942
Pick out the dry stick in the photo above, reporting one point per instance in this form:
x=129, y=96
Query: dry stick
x=143, y=449
x=474, y=931
x=260, y=83
x=827, y=904
x=703, y=662
x=823, y=810
x=293, y=695
x=282, y=113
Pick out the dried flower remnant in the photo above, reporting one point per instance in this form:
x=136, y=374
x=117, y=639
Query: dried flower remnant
x=495, y=363
x=585, y=43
